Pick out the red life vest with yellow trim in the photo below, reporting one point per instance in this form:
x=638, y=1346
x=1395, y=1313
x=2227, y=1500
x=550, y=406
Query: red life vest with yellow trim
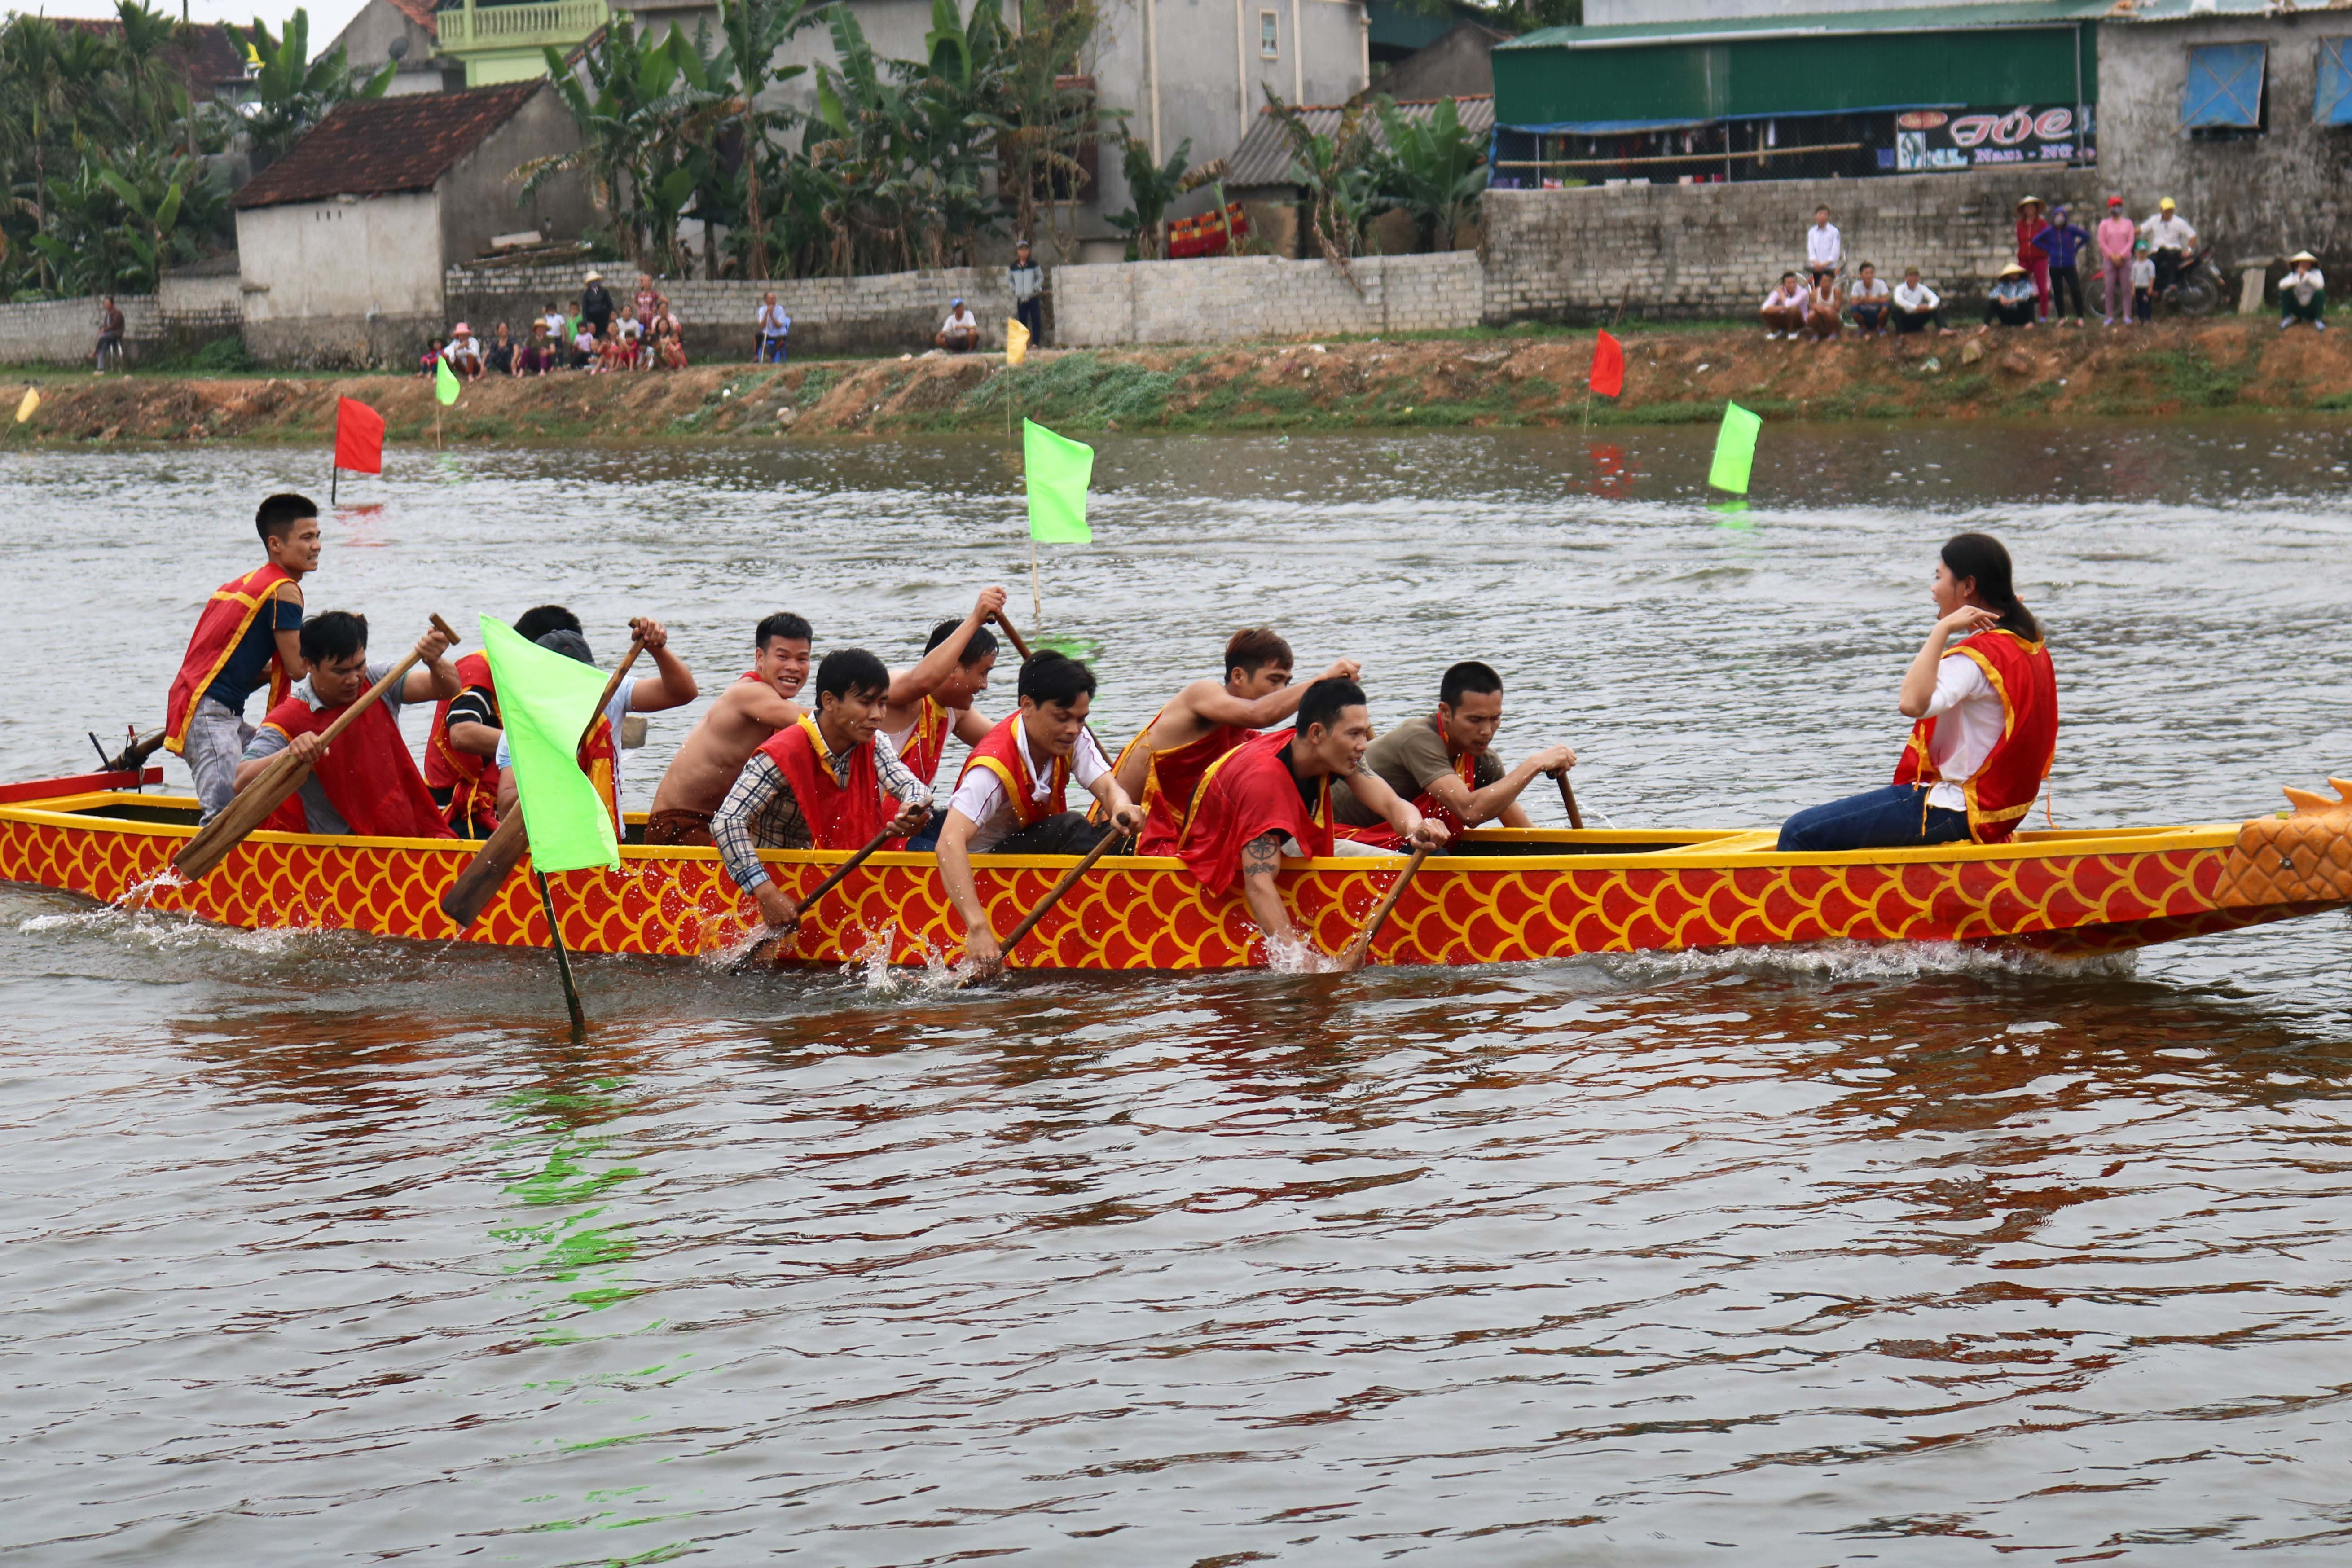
x=472, y=782
x=1173, y=780
x=1005, y=754
x=1242, y=795
x=2004, y=785
x=227, y=617
x=843, y=816
x=368, y=775
x=598, y=756
x=927, y=743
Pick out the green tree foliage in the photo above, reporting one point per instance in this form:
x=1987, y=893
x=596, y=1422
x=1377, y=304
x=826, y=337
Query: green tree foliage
x=1152, y=187
x=292, y=92
x=1432, y=170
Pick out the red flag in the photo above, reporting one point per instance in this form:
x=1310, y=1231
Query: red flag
x=1608, y=366
x=359, y=437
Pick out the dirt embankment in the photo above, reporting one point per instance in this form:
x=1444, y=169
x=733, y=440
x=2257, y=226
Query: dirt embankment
x=1673, y=375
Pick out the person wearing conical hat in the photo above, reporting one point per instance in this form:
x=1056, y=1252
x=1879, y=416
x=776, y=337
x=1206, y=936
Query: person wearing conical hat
x=2303, y=293
x=2032, y=224
x=2170, y=242
x=2012, y=303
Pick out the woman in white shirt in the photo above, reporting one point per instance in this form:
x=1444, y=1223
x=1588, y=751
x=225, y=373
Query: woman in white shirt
x=1986, y=728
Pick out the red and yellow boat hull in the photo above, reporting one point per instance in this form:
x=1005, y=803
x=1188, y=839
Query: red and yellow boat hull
x=1512, y=896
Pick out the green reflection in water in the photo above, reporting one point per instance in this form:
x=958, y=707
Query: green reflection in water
x=573, y=1174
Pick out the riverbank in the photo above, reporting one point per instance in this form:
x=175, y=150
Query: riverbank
x=1674, y=374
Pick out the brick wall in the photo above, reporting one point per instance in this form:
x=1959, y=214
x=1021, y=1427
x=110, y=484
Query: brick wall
x=1230, y=299
x=895, y=312
x=1716, y=250
x=63, y=332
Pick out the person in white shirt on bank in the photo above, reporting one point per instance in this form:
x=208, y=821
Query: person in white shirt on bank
x=960, y=333
x=1824, y=247
x=2303, y=293
x=775, y=331
x=2170, y=242
x=1916, y=306
x=1867, y=299
x=1784, y=308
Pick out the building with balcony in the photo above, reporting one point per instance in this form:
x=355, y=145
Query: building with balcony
x=495, y=43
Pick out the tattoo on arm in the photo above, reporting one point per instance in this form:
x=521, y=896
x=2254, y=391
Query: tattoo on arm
x=1262, y=856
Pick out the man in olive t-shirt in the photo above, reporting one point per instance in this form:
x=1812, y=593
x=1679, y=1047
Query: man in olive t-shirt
x=1446, y=763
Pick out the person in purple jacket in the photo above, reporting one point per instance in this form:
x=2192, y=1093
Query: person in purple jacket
x=2063, y=242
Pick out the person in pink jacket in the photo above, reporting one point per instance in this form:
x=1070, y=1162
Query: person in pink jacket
x=2114, y=240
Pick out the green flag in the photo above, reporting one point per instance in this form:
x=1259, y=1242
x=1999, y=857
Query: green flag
x=445, y=383
x=1735, y=449
x=545, y=702
x=1058, y=470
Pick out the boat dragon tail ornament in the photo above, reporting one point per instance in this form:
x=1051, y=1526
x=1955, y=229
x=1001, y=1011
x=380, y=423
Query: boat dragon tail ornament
x=2302, y=856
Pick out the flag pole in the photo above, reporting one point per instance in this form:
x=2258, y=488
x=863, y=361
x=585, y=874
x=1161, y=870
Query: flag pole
x=562, y=957
x=1036, y=604
x=334, y=480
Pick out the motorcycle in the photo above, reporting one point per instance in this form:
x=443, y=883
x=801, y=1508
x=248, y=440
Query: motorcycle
x=2198, y=290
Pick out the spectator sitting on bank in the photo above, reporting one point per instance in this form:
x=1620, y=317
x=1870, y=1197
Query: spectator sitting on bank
x=775, y=331
x=1028, y=281
x=669, y=342
x=530, y=358
x=499, y=357
x=960, y=333
x=2012, y=301
x=2170, y=241
x=2062, y=243
x=585, y=346
x=1784, y=308
x=1824, y=317
x=465, y=353
x=629, y=332
x=109, y=333
x=618, y=349
x=1824, y=247
x=2029, y=256
x=2303, y=293
x=2115, y=236
x=430, y=360
x=2143, y=284
x=1916, y=305
x=1868, y=300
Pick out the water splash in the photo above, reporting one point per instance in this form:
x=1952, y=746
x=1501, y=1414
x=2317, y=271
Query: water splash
x=1873, y=961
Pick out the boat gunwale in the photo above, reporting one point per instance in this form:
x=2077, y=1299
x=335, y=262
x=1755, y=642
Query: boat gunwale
x=77, y=812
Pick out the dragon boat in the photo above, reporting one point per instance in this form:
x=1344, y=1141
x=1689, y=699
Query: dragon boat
x=1507, y=895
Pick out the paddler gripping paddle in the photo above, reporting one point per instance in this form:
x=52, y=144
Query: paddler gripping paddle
x=504, y=848
x=271, y=787
x=1053, y=895
x=765, y=948
x=1361, y=948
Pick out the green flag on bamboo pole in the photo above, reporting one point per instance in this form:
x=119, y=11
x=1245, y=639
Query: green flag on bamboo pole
x=445, y=383
x=545, y=702
x=1058, y=470
x=1735, y=449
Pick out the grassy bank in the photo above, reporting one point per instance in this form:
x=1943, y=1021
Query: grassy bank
x=1511, y=378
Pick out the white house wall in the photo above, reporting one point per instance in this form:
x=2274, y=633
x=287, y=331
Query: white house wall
x=338, y=282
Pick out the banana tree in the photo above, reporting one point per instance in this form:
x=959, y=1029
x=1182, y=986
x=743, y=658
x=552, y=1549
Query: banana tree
x=1434, y=171
x=1151, y=188
x=292, y=92
x=755, y=30
x=1333, y=172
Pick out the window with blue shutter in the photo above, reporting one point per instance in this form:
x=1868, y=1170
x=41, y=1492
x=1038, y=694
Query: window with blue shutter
x=2332, y=103
x=2224, y=87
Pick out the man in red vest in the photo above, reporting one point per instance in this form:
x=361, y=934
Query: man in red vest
x=1272, y=796
x=249, y=635
x=1013, y=797
x=1162, y=766
x=746, y=715
x=366, y=783
x=459, y=765
x=820, y=784
x=671, y=685
x=1446, y=763
x=933, y=700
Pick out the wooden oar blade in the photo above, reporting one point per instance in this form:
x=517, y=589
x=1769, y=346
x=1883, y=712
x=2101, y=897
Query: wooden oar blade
x=251, y=807
x=484, y=875
x=1360, y=950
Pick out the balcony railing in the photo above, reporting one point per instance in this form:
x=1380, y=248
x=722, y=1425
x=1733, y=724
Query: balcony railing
x=558, y=22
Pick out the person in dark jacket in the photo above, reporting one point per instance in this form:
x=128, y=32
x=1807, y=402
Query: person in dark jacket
x=595, y=305
x=2064, y=241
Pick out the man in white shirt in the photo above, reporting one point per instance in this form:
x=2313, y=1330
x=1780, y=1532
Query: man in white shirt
x=960, y=333
x=2303, y=293
x=1035, y=751
x=1866, y=301
x=1824, y=247
x=1916, y=305
x=2170, y=241
x=1784, y=308
x=776, y=328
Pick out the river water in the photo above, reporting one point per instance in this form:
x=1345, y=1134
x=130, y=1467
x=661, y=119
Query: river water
x=319, y=1249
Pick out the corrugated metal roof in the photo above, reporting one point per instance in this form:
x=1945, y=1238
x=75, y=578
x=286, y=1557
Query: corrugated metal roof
x=1264, y=157
x=1910, y=20
x=368, y=147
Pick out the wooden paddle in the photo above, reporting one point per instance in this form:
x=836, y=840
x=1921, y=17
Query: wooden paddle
x=503, y=850
x=1054, y=895
x=1568, y=799
x=765, y=949
x=1361, y=948
x=271, y=787
x=563, y=960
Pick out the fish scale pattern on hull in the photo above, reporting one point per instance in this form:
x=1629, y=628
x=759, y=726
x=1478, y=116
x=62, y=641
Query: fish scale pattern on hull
x=1140, y=914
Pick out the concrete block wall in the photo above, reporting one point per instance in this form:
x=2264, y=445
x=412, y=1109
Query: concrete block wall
x=892, y=313
x=1233, y=298
x=64, y=332
x=1716, y=250
x=188, y=304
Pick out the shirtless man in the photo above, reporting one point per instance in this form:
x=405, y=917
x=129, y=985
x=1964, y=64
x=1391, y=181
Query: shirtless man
x=933, y=700
x=1162, y=767
x=743, y=718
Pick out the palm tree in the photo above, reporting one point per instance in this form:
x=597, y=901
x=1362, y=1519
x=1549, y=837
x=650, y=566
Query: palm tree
x=28, y=52
x=148, y=76
x=755, y=30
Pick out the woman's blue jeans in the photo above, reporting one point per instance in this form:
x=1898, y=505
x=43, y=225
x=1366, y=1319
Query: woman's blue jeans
x=1886, y=818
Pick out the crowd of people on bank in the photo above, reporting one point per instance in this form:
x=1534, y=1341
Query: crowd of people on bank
x=2041, y=285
